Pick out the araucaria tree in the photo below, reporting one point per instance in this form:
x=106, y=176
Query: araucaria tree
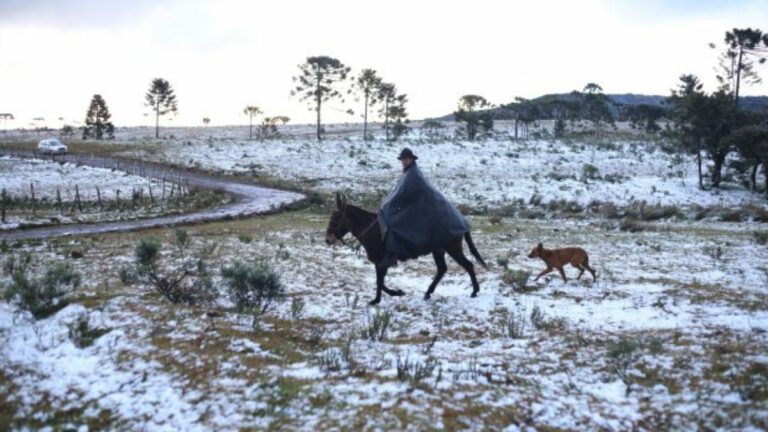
x=471, y=115
x=319, y=81
x=162, y=100
x=251, y=111
x=596, y=107
x=393, y=111
x=97, y=124
x=702, y=122
x=744, y=48
x=367, y=86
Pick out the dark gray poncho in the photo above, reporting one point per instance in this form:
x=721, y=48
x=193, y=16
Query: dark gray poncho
x=416, y=218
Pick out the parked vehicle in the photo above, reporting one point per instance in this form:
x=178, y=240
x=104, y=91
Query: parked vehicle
x=51, y=146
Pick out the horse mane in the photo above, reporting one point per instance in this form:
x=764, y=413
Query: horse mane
x=361, y=211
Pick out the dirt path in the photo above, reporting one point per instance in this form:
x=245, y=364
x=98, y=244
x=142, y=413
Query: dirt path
x=251, y=199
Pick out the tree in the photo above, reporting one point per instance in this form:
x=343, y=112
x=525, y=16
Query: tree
x=367, y=84
x=701, y=122
x=397, y=117
x=67, y=131
x=268, y=128
x=318, y=82
x=596, y=107
x=645, y=117
x=473, y=119
x=752, y=142
x=251, y=111
x=5, y=117
x=206, y=121
x=162, y=100
x=737, y=62
x=97, y=123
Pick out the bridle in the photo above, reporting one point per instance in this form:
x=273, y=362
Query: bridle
x=344, y=219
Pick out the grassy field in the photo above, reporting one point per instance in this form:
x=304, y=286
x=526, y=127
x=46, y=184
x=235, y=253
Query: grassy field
x=671, y=335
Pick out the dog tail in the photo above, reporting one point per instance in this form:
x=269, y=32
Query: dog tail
x=473, y=249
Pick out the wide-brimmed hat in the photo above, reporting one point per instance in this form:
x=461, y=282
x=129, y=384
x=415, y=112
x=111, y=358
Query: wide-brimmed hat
x=407, y=153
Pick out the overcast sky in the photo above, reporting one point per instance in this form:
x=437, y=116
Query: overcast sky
x=222, y=55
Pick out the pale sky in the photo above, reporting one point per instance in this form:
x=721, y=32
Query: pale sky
x=222, y=55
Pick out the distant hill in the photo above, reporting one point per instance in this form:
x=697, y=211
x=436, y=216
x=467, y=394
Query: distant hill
x=752, y=103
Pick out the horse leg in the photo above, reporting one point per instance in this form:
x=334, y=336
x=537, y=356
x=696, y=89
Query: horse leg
x=458, y=255
x=380, y=274
x=562, y=273
x=439, y=256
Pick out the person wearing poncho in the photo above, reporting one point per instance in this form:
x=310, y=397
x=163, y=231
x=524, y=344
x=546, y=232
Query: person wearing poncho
x=415, y=218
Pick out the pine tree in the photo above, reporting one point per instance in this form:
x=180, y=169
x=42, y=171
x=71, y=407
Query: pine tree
x=162, y=100
x=97, y=124
x=251, y=111
x=318, y=82
x=367, y=85
x=470, y=114
x=737, y=62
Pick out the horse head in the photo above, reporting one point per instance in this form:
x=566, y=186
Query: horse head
x=338, y=226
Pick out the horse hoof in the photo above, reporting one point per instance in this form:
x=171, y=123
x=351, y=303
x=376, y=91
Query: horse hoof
x=427, y=296
x=474, y=294
x=398, y=293
x=374, y=302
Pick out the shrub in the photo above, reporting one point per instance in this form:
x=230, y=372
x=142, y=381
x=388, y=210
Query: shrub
x=761, y=237
x=414, y=372
x=589, y=172
x=82, y=334
x=377, y=325
x=517, y=279
x=188, y=282
x=622, y=354
x=297, y=306
x=42, y=297
x=513, y=324
x=253, y=287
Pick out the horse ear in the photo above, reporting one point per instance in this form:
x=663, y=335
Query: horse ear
x=338, y=200
x=540, y=246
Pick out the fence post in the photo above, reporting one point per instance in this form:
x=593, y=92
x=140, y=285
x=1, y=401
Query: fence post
x=32, y=191
x=98, y=198
x=2, y=206
x=117, y=192
x=58, y=199
x=77, y=199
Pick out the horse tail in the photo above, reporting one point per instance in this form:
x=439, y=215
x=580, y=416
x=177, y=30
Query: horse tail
x=473, y=249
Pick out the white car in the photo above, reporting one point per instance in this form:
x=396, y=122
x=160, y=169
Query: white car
x=51, y=146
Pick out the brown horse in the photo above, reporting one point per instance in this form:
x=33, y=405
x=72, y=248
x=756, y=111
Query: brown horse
x=365, y=227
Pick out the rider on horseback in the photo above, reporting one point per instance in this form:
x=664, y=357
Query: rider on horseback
x=415, y=218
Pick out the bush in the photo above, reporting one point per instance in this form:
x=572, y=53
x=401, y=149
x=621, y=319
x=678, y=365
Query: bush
x=517, y=279
x=513, y=324
x=188, y=283
x=622, y=354
x=82, y=334
x=414, y=372
x=761, y=237
x=42, y=297
x=253, y=287
x=589, y=172
x=377, y=325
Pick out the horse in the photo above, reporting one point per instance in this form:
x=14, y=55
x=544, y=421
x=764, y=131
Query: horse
x=364, y=226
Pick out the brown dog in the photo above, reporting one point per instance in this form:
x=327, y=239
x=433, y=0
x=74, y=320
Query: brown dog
x=557, y=258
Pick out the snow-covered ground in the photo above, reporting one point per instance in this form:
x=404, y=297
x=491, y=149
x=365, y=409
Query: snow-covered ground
x=21, y=177
x=483, y=174
x=16, y=176
x=689, y=299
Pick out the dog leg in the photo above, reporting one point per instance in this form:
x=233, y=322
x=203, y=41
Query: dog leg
x=543, y=272
x=562, y=274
